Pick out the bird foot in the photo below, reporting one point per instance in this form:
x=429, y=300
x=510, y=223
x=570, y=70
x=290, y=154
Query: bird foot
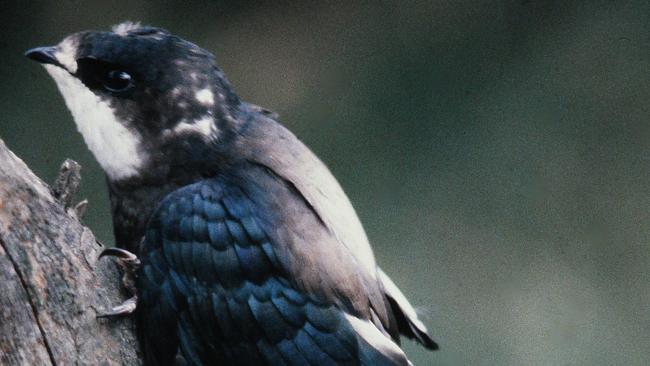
x=129, y=263
x=125, y=308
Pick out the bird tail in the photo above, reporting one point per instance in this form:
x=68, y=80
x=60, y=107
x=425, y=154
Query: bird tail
x=407, y=319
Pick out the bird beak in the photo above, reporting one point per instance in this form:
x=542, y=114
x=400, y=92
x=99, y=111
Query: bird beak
x=44, y=55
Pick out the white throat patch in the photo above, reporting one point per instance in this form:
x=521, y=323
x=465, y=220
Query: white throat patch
x=115, y=147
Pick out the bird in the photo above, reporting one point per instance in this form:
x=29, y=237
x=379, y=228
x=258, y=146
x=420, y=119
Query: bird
x=244, y=248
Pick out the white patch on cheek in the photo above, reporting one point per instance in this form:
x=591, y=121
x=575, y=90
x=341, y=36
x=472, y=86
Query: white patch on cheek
x=204, y=126
x=65, y=54
x=176, y=92
x=205, y=97
x=115, y=147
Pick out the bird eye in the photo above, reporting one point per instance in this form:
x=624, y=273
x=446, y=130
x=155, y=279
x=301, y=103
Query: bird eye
x=117, y=81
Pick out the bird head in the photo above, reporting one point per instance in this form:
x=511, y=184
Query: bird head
x=143, y=99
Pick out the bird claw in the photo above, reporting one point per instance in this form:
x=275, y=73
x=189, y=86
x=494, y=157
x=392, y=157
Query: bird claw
x=122, y=254
x=129, y=264
x=125, y=308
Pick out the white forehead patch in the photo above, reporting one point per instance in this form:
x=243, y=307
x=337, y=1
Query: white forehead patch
x=204, y=126
x=65, y=54
x=205, y=97
x=115, y=147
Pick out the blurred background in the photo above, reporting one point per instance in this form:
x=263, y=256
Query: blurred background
x=498, y=152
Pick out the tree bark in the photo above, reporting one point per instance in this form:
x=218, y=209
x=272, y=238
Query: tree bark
x=52, y=285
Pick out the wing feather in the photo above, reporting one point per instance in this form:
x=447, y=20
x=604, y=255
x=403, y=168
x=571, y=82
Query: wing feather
x=214, y=288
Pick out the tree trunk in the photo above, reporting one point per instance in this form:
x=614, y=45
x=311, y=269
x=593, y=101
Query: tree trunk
x=52, y=286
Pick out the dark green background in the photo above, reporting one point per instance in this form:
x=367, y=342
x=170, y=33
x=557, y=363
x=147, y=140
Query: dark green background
x=498, y=152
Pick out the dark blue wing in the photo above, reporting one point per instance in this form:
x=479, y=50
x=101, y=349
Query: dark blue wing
x=211, y=291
